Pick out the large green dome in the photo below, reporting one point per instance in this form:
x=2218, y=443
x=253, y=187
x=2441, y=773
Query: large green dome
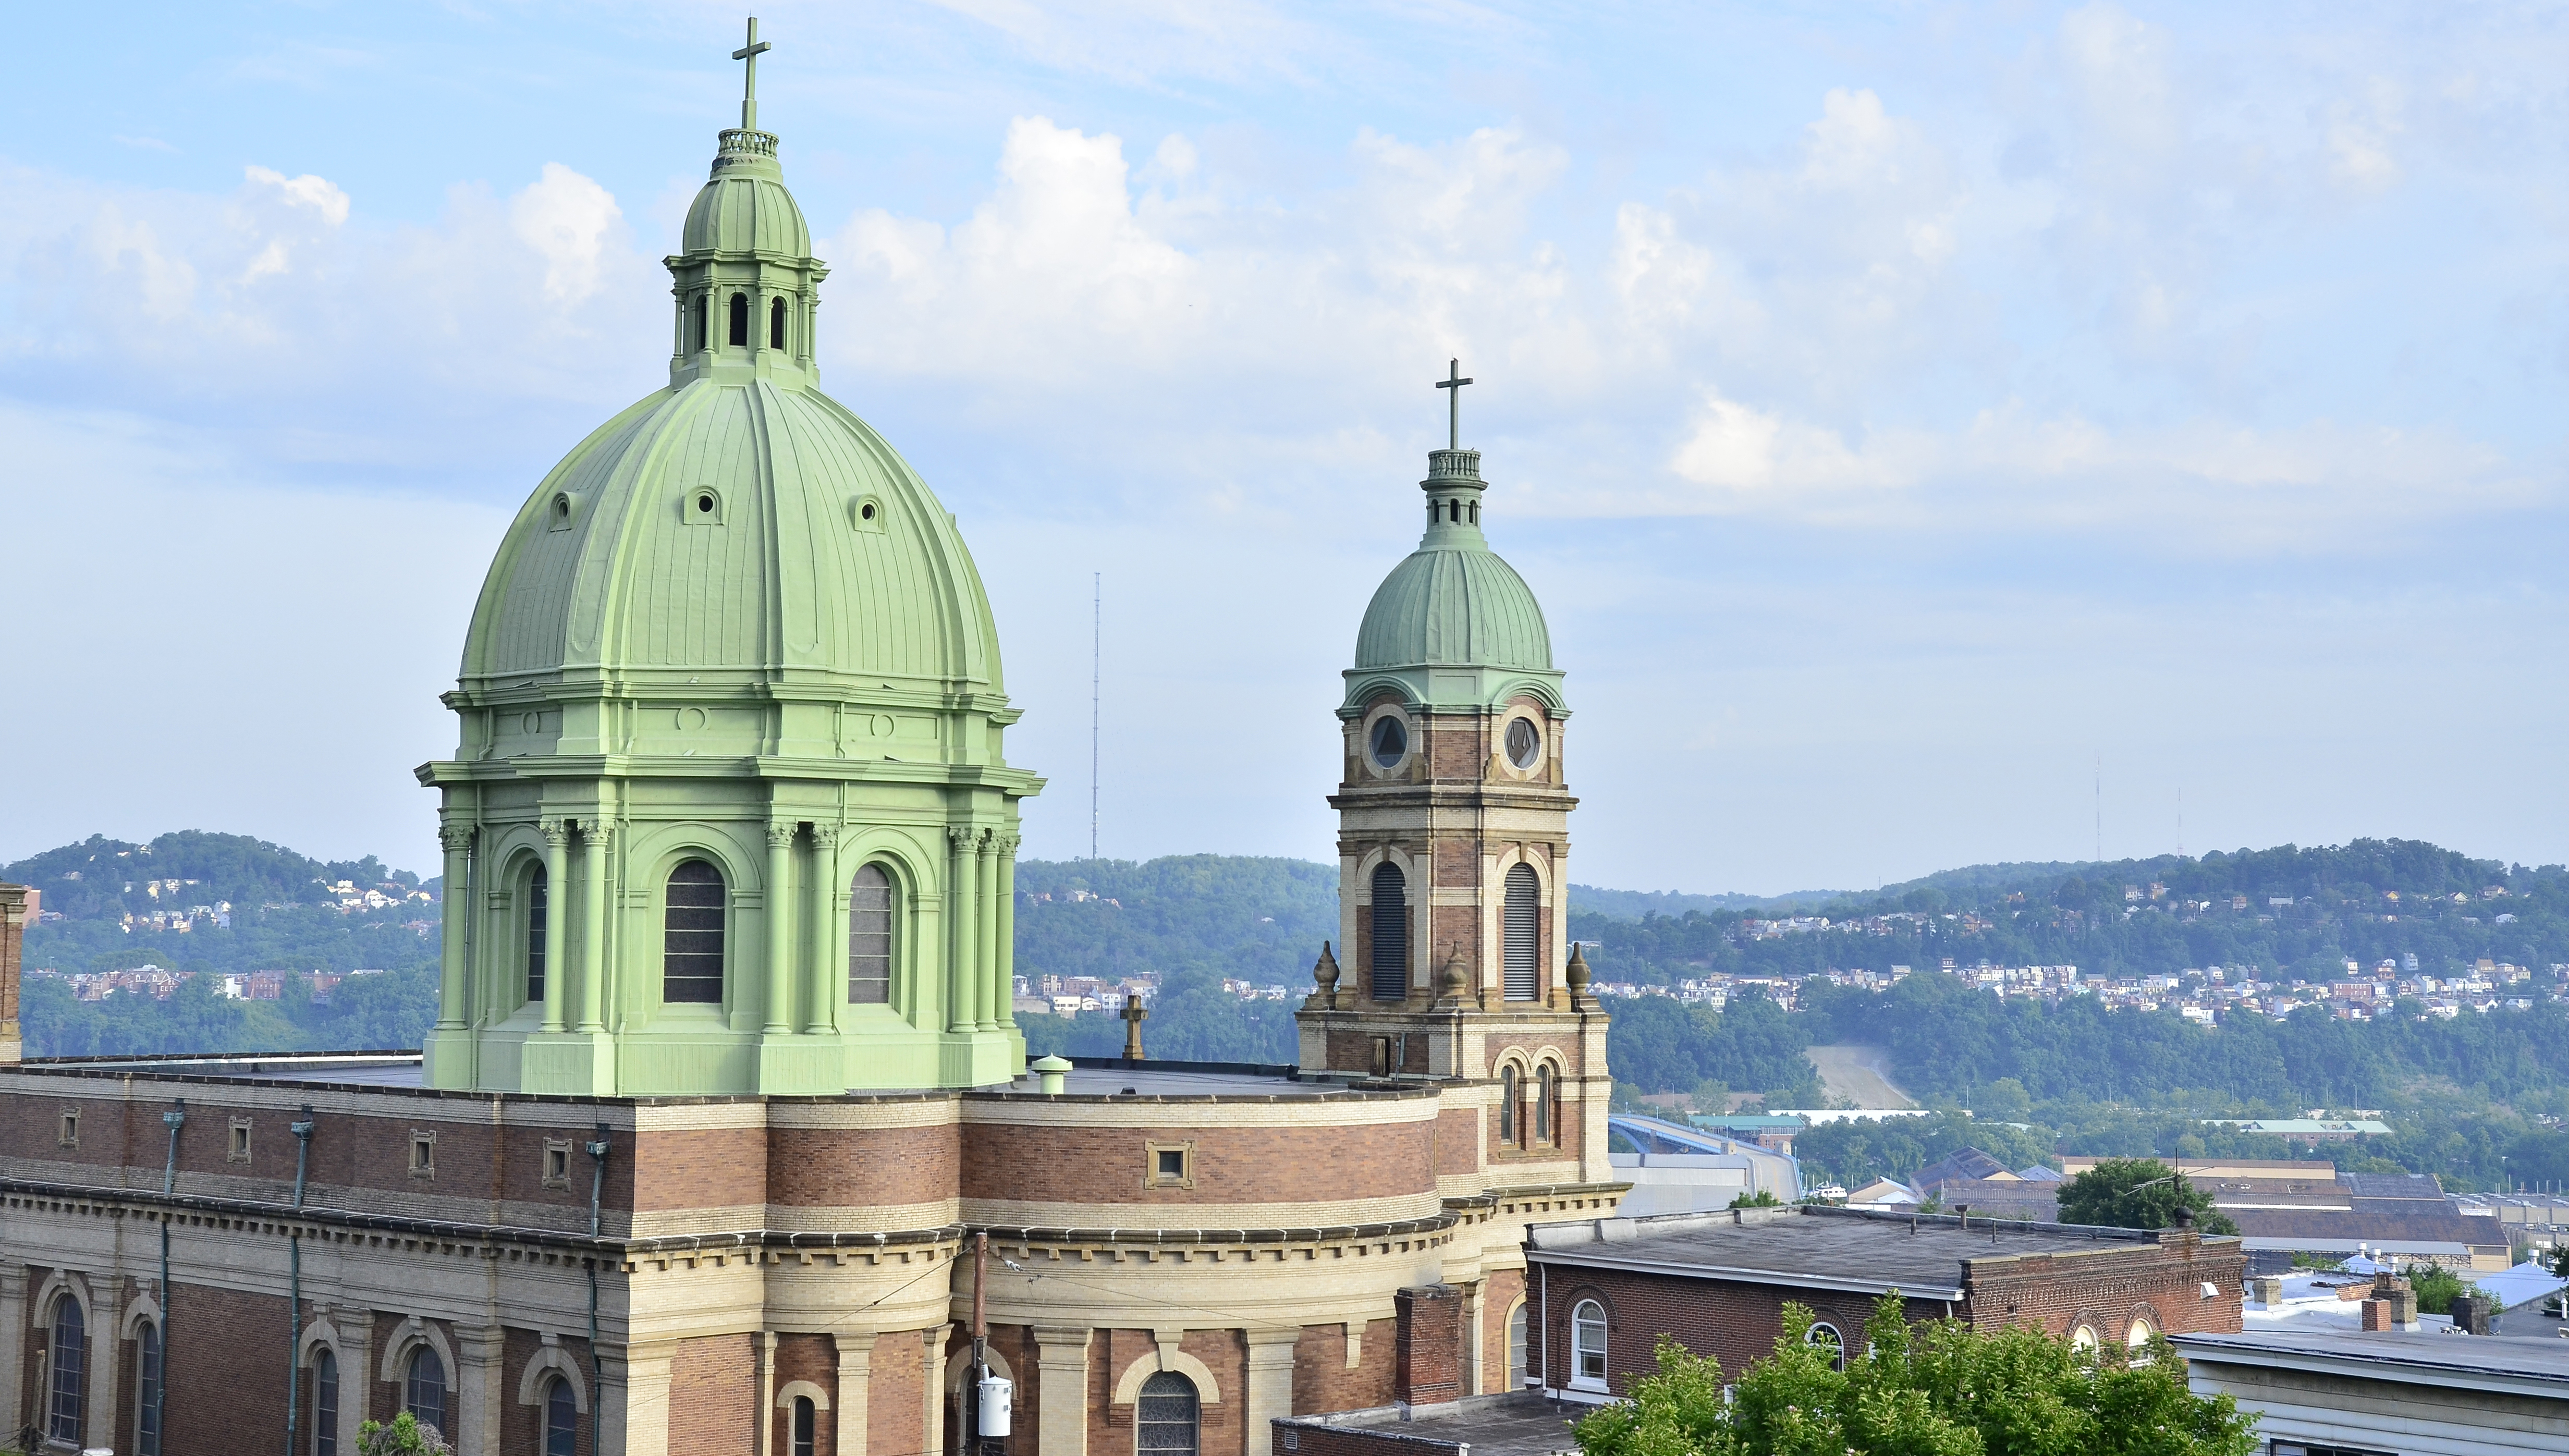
x=1453, y=625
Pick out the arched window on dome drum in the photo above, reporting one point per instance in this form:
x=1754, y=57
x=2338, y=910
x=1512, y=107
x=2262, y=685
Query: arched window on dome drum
x=1165, y=1418
x=776, y=324
x=691, y=945
x=870, y=938
x=740, y=320
x=538, y=896
x=67, y=1389
x=1387, y=934
x=1510, y=1089
x=1523, y=894
x=1547, y=1088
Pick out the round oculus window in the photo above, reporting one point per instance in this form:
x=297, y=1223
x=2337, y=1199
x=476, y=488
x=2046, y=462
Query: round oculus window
x=1525, y=743
x=1390, y=741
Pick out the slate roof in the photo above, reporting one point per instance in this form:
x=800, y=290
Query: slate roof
x=1969, y=1163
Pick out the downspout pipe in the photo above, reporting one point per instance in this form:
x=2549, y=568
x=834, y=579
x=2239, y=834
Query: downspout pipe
x=175, y=1119
x=597, y=1190
x=294, y=1284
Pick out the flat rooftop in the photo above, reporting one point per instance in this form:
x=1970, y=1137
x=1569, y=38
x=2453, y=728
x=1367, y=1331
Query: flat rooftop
x=1852, y=1249
x=1519, y=1423
x=2466, y=1360
x=1088, y=1077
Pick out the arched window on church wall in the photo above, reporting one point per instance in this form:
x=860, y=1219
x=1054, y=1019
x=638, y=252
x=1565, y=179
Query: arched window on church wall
x=1525, y=896
x=1547, y=1117
x=424, y=1389
x=1387, y=934
x=1166, y=1417
x=67, y=1384
x=562, y=1419
x=691, y=945
x=1509, y=1091
x=869, y=929
x=325, y=1404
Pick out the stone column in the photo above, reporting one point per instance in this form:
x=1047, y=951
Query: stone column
x=766, y=1392
x=993, y=995
x=13, y=1345
x=958, y=921
x=1061, y=1390
x=597, y=867
x=827, y=984
x=481, y=1391
x=849, y=1403
x=932, y=1434
x=1270, y=1385
x=558, y=897
x=356, y=1330
x=457, y=840
x=103, y=1425
x=638, y=1423
x=777, y=925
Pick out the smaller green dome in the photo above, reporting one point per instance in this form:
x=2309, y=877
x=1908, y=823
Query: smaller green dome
x=744, y=206
x=1453, y=625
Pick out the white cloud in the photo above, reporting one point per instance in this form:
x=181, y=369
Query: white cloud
x=307, y=190
x=568, y=220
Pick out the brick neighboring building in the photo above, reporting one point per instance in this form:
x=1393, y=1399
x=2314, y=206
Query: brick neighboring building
x=1718, y=1282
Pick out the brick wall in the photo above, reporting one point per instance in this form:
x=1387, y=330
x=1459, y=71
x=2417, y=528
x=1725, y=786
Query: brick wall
x=895, y=1395
x=1501, y=1290
x=1428, y=1369
x=2108, y=1289
x=860, y=1167
x=1322, y=1379
x=713, y=1394
x=1315, y=1439
x=225, y=1364
x=1458, y=1138
x=1734, y=1323
x=1231, y=1164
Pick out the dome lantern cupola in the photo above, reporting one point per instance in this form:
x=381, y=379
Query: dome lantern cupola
x=729, y=812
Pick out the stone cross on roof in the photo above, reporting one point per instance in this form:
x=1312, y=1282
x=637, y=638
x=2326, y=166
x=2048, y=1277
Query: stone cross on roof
x=1134, y=1015
x=749, y=81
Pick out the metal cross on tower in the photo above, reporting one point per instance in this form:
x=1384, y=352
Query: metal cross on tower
x=1454, y=381
x=749, y=83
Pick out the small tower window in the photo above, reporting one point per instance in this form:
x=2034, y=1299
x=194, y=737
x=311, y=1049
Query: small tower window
x=1387, y=933
x=1454, y=511
x=538, y=894
x=696, y=325
x=1391, y=741
x=776, y=324
x=1545, y=1089
x=1472, y=513
x=870, y=938
x=1525, y=743
x=692, y=936
x=740, y=320
x=1508, y=1086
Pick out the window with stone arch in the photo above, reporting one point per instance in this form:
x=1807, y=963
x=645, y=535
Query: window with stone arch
x=67, y=1379
x=325, y=1403
x=424, y=1388
x=1167, y=1417
x=806, y=1424
x=147, y=1388
x=1524, y=901
x=870, y=937
x=562, y=1419
x=2137, y=1338
x=539, y=898
x=1587, y=1345
x=1518, y=1351
x=2084, y=1342
x=1511, y=1091
x=776, y=324
x=1387, y=934
x=691, y=936
x=1546, y=1097
x=740, y=320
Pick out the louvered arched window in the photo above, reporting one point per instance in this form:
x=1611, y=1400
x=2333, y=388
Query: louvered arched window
x=1387, y=934
x=870, y=897
x=691, y=941
x=1525, y=894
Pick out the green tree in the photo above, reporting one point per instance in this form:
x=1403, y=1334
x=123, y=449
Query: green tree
x=1763, y=1197
x=1938, y=1389
x=2436, y=1288
x=404, y=1438
x=2137, y=1192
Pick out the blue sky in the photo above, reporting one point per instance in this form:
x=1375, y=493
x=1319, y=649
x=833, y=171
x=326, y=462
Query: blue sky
x=1901, y=410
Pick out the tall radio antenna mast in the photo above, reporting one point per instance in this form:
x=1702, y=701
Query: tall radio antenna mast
x=1096, y=657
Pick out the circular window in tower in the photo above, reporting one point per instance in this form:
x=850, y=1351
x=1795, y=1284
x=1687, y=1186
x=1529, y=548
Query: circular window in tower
x=1390, y=741
x=1525, y=743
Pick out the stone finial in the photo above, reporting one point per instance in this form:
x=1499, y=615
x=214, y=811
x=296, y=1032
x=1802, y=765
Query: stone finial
x=1454, y=980
x=1325, y=974
x=1576, y=974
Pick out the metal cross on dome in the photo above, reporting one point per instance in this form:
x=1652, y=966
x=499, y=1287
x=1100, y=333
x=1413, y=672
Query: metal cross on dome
x=749, y=81
x=1454, y=381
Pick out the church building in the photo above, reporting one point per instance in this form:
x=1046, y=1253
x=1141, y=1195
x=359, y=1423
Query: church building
x=725, y=1101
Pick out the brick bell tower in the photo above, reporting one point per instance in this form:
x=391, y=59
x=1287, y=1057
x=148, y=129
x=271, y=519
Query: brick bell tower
x=1453, y=841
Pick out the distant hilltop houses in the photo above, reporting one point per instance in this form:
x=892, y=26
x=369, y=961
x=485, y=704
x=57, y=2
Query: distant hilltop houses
x=161, y=985
x=2206, y=995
